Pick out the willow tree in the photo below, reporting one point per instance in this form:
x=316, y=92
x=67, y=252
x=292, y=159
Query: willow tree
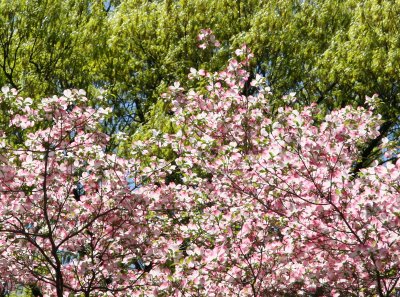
x=48, y=46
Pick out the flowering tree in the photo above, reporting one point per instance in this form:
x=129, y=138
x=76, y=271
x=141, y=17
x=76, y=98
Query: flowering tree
x=70, y=221
x=259, y=201
x=268, y=203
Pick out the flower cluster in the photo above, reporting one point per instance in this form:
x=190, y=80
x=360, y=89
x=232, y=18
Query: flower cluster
x=70, y=219
x=207, y=39
x=258, y=201
x=268, y=203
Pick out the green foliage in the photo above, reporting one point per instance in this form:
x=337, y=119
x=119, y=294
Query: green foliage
x=49, y=46
x=330, y=52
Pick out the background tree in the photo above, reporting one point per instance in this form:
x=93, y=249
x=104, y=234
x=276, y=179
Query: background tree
x=333, y=53
x=49, y=46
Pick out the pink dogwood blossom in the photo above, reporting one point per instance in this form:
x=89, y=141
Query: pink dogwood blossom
x=268, y=200
x=69, y=220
